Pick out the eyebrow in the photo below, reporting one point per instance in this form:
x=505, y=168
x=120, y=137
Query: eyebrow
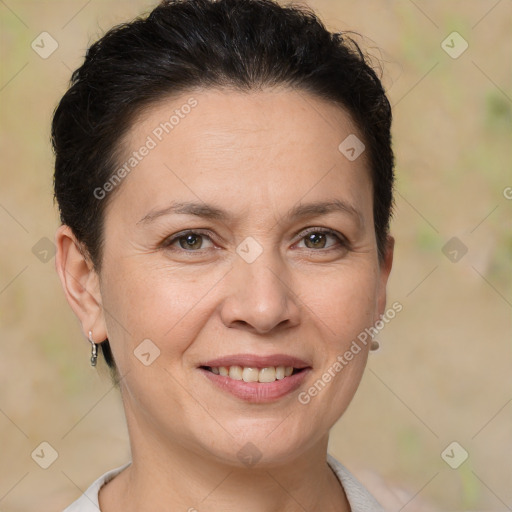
x=207, y=211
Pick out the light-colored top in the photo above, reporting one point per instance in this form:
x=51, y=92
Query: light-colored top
x=359, y=498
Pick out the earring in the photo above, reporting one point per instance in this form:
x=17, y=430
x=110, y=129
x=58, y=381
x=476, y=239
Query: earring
x=94, y=352
x=375, y=345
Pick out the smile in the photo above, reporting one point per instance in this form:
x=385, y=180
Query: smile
x=251, y=374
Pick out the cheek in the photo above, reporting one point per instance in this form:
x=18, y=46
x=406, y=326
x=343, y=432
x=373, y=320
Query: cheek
x=343, y=303
x=343, y=309
x=161, y=304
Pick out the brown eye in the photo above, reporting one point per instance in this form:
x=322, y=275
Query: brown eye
x=189, y=241
x=318, y=239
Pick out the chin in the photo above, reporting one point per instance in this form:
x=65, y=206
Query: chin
x=263, y=447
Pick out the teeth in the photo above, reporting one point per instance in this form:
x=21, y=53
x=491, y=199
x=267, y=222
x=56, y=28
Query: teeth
x=267, y=374
x=235, y=372
x=250, y=374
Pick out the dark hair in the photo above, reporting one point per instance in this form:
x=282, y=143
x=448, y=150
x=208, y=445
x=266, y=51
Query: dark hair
x=188, y=44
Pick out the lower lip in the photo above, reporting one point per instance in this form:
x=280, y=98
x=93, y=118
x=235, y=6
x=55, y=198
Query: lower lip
x=257, y=392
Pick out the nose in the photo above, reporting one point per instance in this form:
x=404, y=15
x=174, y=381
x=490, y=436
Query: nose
x=259, y=296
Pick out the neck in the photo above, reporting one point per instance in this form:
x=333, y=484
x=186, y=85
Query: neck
x=163, y=472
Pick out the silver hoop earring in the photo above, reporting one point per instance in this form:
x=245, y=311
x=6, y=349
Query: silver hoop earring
x=375, y=345
x=94, y=351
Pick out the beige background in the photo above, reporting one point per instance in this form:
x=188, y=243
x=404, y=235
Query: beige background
x=444, y=371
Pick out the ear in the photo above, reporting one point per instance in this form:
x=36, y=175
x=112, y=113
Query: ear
x=385, y=269
x=80, y=283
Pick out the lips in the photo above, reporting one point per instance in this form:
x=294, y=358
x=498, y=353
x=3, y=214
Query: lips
x=254, y=378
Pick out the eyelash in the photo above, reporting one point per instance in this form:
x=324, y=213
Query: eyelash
x=344, y=243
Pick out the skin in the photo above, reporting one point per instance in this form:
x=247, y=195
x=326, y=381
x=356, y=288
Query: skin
x=256, y=155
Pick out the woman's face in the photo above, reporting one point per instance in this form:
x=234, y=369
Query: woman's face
x=247, y=265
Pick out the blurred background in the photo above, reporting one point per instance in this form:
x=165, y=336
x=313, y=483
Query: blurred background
x=430, y=427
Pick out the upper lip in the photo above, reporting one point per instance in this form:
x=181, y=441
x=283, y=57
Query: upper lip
x=255, y=361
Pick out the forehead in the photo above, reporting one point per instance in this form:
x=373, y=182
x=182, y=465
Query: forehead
x=279, y=145
x=220, y=117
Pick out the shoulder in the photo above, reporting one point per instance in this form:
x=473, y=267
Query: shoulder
x=88, y=501
x=357, y=495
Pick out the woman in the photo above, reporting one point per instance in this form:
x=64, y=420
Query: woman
x=224, y=175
